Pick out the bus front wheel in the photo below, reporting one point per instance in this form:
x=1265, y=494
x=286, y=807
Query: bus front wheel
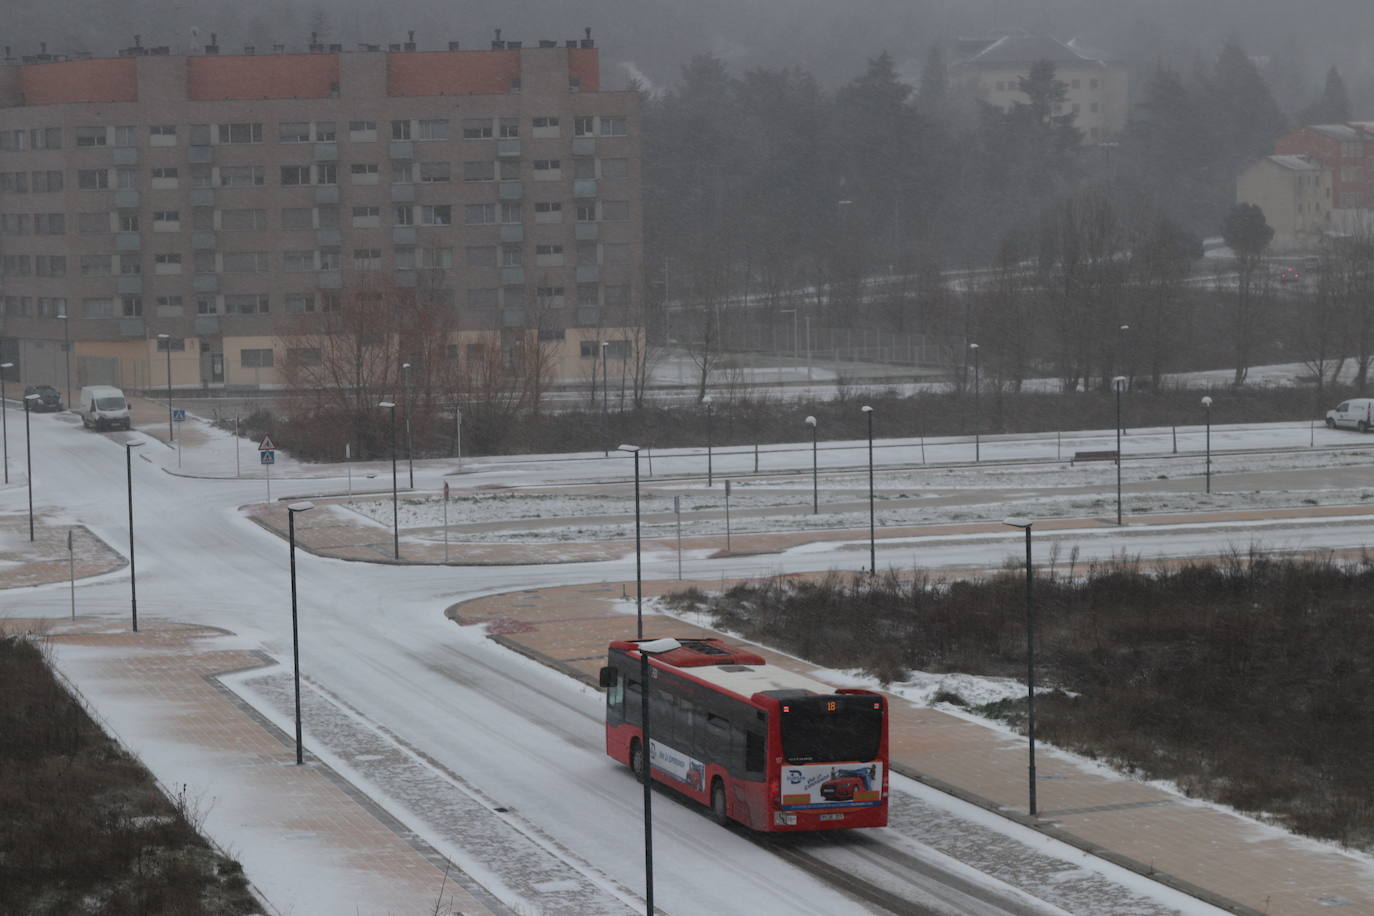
x=637, y=758
x=718, y=812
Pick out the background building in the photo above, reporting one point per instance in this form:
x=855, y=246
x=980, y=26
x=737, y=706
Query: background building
x=1295, y=194
x=991, y=69
x=223, y=199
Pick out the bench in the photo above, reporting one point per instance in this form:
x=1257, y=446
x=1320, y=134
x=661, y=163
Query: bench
x=1107, y=455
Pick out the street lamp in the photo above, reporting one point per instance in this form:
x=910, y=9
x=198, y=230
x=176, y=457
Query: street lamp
x=133, y=576
x=706, y=399
x=977, y=425
x=410, y=442
x=639, y=574
x=395, y=500
x=652, y=647
x=4, y=418
x=295, y=637
x=67, y=353
x=1119, y=383
x=28, y=455
x=605, y=392
x=1025, y=525
x=1207, y=404
x=165, y=341
x=815, y=481
x=1122, y=348
x=872, y=544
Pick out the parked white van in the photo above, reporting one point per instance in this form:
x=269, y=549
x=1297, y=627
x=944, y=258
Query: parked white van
x=104, y=407
x=1356, y=413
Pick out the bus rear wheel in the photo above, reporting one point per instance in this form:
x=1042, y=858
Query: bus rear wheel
x=718, y=806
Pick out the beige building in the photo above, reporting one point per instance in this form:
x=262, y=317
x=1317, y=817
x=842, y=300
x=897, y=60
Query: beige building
x=991, y=69
x=1295, y=194
x=220, y=199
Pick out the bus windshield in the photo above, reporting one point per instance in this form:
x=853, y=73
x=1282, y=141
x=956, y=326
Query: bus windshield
x=109, y=403
x=820, y=729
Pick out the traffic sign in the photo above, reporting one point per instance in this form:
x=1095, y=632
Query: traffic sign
x=267, y=445
x=178, y=415
x=268, y=457
x=445, y=491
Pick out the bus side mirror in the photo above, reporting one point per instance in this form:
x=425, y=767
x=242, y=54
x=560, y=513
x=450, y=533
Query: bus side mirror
x=608, y=677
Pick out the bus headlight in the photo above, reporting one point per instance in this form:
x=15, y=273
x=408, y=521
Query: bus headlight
x=783, y=819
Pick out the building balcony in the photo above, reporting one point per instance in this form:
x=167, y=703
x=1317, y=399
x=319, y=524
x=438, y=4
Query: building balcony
x=587, y=232
x=403, y=235
x=329, y=279
x=124, y=155
x=588, y=273
x=406, y=278
x=130, y=284
x=584, y=146
x=508, y=148
x=128, y=241
x=327, y=194
x=584, y=187
x=512, y=232
x=328, y=238
x=402, y=193
x=510, y=190
x=205, y=283
x=132, y=327
x=511, y=275
x=206, y=326
x=200, y=153
x=326, y=152
x=402, y=149
x=202, y=240
x=202, y=197
x=126, y=199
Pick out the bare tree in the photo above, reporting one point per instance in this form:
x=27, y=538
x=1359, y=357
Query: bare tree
x=1248, y=235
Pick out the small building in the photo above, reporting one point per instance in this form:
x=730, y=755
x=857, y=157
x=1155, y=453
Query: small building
x=1295, y=194
x=992, y=68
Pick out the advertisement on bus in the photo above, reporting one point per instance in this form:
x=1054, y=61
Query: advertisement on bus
x=686, y=770
x=829, y=785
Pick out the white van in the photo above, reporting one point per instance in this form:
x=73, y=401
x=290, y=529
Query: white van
x=1356, y=413
x=104, y=407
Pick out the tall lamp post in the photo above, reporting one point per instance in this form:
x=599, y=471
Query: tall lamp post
x=4, y=418
x=815, y=479
x=1025, y=525
x=28, y=455
x=1119, y=383
x=410, y=442
x=639, y=574
x=872, y=542
x=295, y=634
x=133, y=575
x=977, y=418
x=707, y=401
x=652, y=647
x=165, y=342
x=1121, y=333
x=67, y=353
x=395, y=500
x=1207, y=405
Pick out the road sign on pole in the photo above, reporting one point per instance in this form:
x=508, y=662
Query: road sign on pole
x=179, y=415
x=268, y=457
x=267, y=445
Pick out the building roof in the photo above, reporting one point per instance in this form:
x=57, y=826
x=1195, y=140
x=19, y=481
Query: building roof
x=1336, y=131
x=1296, y=163
x=1023, y=50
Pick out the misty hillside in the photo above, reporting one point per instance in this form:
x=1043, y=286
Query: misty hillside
x=653, y=39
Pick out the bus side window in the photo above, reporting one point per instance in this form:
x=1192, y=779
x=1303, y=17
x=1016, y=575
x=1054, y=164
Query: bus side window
x=615, y=691
x=716, y=738
x=753, y=754
x=633, y=702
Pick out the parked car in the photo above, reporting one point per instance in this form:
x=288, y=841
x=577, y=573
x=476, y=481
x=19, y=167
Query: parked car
x=1356, y=413
x=48, y=399
x=1289, y=275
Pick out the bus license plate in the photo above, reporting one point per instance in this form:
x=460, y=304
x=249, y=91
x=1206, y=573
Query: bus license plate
x=832, y=817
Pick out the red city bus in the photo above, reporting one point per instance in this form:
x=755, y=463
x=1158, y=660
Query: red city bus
x=759, y=744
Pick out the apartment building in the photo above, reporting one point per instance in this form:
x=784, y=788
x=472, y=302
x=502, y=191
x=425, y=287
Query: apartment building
x=991, y=68
x=1295, y=194
x=217, y=198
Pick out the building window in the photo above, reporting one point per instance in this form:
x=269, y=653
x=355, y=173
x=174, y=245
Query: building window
x=241, y=176
x=327, y=173
x=248, y=220
x=434, y=172
x=584, y=126
x=1093, y=84
x=436, y=215
x=436, y=258
x=166, y=221
x=510, y=212
x=613, y=127
x=362, y=131
x=367, y=259
x=403, y=258
x=324, y=131
x=131, y=306
x=297, y=218
x=46, y=138
x=297, y=261
x=400, y=130
x=248, y=304
x=97, y=308
x=477, y=129
x=206, y=305
x=434, y=129
x=615, y=253
x=13, y=140
x=479, y=214
x=509, y=128
x=130, y=264
x=90, y=136
x=299, y=303
x=367, y=217
x=244, y=262
x=167, y=263
x=586, y=211
x=547, y=169
x=330, y=259
x=47, y=181
x=168, y=307
x=303, y=356
x=255, y=359
x=364, y=172
x=92, y=179
x=92, y=265
x=512, y=256
x=164, y=178
x=405, y=216
x=548, y=255
x=480, y=256
x=240, y=133
x=615, y=168
x=295, y=175
x=483, y=170
x=202, y=176
x=293, y=132
x=91, y=223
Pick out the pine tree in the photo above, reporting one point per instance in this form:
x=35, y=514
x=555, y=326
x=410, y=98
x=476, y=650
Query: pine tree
x=1334, y=105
